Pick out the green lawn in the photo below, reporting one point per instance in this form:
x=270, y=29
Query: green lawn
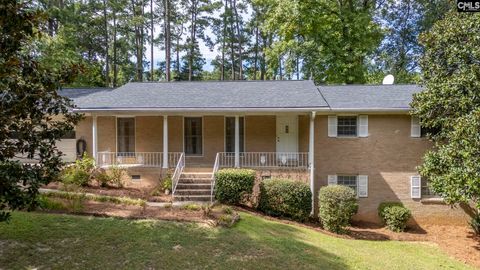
x=42, y=241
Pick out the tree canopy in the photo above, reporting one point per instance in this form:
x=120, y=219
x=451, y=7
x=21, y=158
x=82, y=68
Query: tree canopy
x=449, y=107
x=33, y=115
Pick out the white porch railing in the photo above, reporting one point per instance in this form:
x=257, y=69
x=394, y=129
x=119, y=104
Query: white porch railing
x=136, y=159
x=289, y=160
x=216, y=166
x=178, y=171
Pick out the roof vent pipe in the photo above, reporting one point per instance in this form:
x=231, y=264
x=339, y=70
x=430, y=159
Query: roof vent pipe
x=389, y=79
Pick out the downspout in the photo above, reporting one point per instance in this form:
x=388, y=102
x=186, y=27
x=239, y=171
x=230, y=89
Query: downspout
x=311, y=158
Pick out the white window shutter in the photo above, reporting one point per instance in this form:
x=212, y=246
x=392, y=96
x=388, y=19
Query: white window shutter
x=415, y=130
x=363, y=126
x=332, y=180
x=362, y=186
x=416, y=187
x=332, y=126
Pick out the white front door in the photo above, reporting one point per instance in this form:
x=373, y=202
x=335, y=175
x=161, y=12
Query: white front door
x=287, y=133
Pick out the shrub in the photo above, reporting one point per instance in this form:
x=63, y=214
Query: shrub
x=80, y=173
x=116, y=175
x=232, y=184
x=394, y=215
x=103, y=178
x=475, y=223
x=287, y=198
x=167, y=183
x=192, y=207
x=337, y=205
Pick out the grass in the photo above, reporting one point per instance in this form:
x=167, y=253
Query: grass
x=94, y=197
x=49, y=241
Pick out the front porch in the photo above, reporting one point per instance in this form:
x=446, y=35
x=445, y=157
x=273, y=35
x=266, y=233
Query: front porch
x=266, y=143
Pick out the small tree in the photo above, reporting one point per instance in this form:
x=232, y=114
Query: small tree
x=33, y=116
x=449, y=107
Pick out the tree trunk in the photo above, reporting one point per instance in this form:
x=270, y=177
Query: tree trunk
x=167, y=39
x=232, y=45
x=192, y=39
x=152, y=68
x=224, y=33
x=239, y=37
x=107, y=67
x=115, y=73
x=255, y=63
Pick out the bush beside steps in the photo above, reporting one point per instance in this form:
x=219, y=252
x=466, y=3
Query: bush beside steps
x=233, y=184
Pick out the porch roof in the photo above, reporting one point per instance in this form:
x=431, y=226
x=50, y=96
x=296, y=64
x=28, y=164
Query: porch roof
x=210, y=95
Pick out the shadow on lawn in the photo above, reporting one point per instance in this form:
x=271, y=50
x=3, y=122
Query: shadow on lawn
x=276, y=245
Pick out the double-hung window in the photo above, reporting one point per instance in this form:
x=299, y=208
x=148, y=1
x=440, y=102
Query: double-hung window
x=126, y=135
x=193, y=134
x=347, y=126
x=348, y=180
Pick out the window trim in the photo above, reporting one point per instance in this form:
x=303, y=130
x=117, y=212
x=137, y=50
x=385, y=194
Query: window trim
x=203, y=136
x=225, y=133
x=356, y=125
x=134, y=132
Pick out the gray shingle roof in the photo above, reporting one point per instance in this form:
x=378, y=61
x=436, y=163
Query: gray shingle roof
x=225, y=95
x=369, y=97
x=200, y=95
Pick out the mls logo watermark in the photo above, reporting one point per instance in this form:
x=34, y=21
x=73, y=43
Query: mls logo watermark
x=468, y=5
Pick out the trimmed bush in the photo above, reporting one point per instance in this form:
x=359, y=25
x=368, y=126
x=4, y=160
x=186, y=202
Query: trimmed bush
x=286, y=198
x=394, y=215
x=232, y=184
x=337, y=205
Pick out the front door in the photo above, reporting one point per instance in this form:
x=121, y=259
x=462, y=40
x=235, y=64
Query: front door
x=287, y=133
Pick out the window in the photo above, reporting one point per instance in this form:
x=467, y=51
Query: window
x=126, y=135
x=230, y=134
x=427, y=189
x=348, y=180
x=193, y=136
x=347, y=126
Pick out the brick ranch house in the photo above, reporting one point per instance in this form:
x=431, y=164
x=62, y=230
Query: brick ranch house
x=361, y=136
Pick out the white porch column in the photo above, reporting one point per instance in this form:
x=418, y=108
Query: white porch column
x=94, y=138
x=237, y=142
x=311, y=156
x=165, y=141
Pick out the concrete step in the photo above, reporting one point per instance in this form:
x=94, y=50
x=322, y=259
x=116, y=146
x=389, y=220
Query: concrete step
x=202, y=175
x=192, y=192
x=194, y=181
x=198, y=169
x=192, y=198
x=194, y=185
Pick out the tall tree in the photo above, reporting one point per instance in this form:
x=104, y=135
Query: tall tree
x=199, y=16
x=33, y=115
x=331, y=38
x=449, y=107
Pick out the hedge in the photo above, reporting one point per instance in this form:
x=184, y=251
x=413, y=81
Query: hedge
x=394, y=215
x=337, y=205
x=286, y=198
x=232, y=184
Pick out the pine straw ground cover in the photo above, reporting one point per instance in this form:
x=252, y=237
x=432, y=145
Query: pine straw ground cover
x=42, y=240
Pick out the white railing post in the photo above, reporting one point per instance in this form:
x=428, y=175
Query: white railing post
x=237, y=142
x=94, y=138
x=215, y=169
x=165, y=142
